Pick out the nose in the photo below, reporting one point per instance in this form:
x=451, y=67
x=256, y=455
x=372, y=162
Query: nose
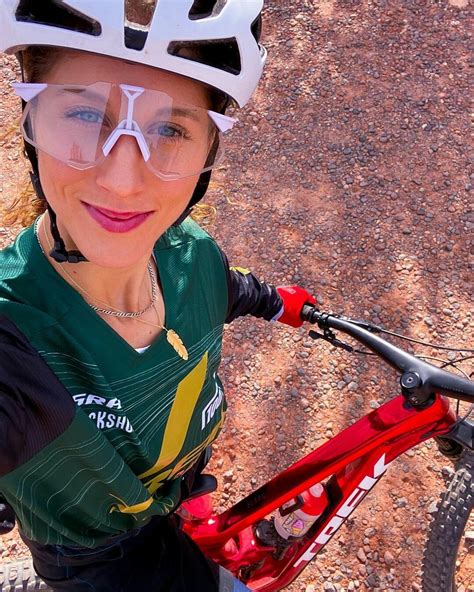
x=123, y=172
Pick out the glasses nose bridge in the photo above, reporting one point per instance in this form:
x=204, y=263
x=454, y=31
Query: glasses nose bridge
x=123, y=131
x=128, y=126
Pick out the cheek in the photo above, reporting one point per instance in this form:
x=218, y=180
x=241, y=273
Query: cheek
x=57, y=179
x=64, y=187
x=175, y=195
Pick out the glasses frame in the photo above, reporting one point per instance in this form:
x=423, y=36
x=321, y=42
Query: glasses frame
x=28, y=91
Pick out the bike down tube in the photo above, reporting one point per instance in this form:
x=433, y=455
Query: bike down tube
x=374, y=441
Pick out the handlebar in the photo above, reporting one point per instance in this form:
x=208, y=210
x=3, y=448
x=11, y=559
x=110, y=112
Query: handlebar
x=417, y=376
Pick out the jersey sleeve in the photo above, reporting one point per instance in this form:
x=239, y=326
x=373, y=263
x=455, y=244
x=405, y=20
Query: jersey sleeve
x=34, y=405
x=12, y=432
x=247, y=295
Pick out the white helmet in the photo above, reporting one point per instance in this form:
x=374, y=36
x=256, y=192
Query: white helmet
x=225, y=33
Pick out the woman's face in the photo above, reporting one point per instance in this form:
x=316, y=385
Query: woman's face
x=115, y=211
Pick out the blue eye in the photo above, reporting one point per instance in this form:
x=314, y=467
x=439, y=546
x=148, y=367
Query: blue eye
x=86, y=116
x=168, y=131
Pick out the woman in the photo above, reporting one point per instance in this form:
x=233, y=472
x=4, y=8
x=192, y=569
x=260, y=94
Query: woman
x=112, y=304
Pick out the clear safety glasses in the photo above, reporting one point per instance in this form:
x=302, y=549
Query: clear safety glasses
x=80, y=125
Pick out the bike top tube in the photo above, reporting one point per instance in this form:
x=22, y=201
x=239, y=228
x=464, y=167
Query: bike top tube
x=416, y=374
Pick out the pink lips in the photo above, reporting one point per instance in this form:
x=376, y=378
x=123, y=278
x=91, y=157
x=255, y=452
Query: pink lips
x=116, y=221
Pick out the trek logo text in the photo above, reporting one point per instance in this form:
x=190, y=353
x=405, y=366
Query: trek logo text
x=345, y=510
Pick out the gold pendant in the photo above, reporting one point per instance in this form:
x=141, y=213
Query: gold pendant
x=176, y=343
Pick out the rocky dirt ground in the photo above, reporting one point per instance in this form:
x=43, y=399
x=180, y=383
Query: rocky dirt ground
x=349, y=174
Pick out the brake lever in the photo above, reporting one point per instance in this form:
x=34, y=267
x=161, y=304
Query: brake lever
x=331, y=338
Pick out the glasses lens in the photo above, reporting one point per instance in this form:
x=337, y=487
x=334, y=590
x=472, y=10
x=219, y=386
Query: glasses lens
x=78, y=125
x=70, y=122
x=180, y=137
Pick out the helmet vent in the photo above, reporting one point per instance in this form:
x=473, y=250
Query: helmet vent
x=138, y=17
x=55, y=14
x=222, y=54
x=257, y=28
x=205, y=8
x=135, y=38
x=140, y=13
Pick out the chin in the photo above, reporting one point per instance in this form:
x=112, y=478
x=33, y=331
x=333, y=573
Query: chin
x=115, y=249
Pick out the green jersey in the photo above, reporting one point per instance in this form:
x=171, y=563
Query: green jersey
x=104, y=433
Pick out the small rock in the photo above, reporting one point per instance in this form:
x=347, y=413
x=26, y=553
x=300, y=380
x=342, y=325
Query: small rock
x=447, y=471
x=469, y=537
x=402, y=502
x=361, y=556
x=373, y=580
x=369, y=532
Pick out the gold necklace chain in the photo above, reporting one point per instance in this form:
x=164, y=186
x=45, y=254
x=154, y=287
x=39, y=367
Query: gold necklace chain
x=112, y=312
x=171, y=336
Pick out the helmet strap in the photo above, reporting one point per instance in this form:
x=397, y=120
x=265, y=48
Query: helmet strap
x=59, y=252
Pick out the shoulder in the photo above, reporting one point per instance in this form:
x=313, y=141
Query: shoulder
x=26, y=280
x=187, y=232
x=190, y=259
x=192, y=243
x=14, y=266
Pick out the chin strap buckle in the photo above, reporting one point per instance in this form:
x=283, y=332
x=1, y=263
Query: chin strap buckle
x=61, y=255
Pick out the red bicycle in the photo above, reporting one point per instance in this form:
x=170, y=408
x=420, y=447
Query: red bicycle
x=244, y=538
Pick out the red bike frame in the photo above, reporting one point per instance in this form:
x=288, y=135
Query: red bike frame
x=350, y=464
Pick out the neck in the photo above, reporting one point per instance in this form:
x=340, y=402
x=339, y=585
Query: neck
x=124, y=288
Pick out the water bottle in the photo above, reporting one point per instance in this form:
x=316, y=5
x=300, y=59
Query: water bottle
x=296, y=516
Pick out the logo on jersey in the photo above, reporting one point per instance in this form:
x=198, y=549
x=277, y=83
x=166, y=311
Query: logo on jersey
x=213, y=405
x=104, y=419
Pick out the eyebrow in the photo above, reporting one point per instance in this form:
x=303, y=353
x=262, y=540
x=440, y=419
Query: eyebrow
x=180, y=112
x=88, y=93
x=85, y=92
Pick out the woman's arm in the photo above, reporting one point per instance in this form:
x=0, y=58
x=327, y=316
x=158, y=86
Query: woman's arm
x=12, y=445
x=249, y=296
x=12, y=432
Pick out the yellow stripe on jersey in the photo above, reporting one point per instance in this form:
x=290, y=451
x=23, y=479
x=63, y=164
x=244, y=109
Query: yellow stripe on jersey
x=187, y=395
x=125, y=509
x=186, y=462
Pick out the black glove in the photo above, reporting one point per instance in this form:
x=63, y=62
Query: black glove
x=7, y=517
